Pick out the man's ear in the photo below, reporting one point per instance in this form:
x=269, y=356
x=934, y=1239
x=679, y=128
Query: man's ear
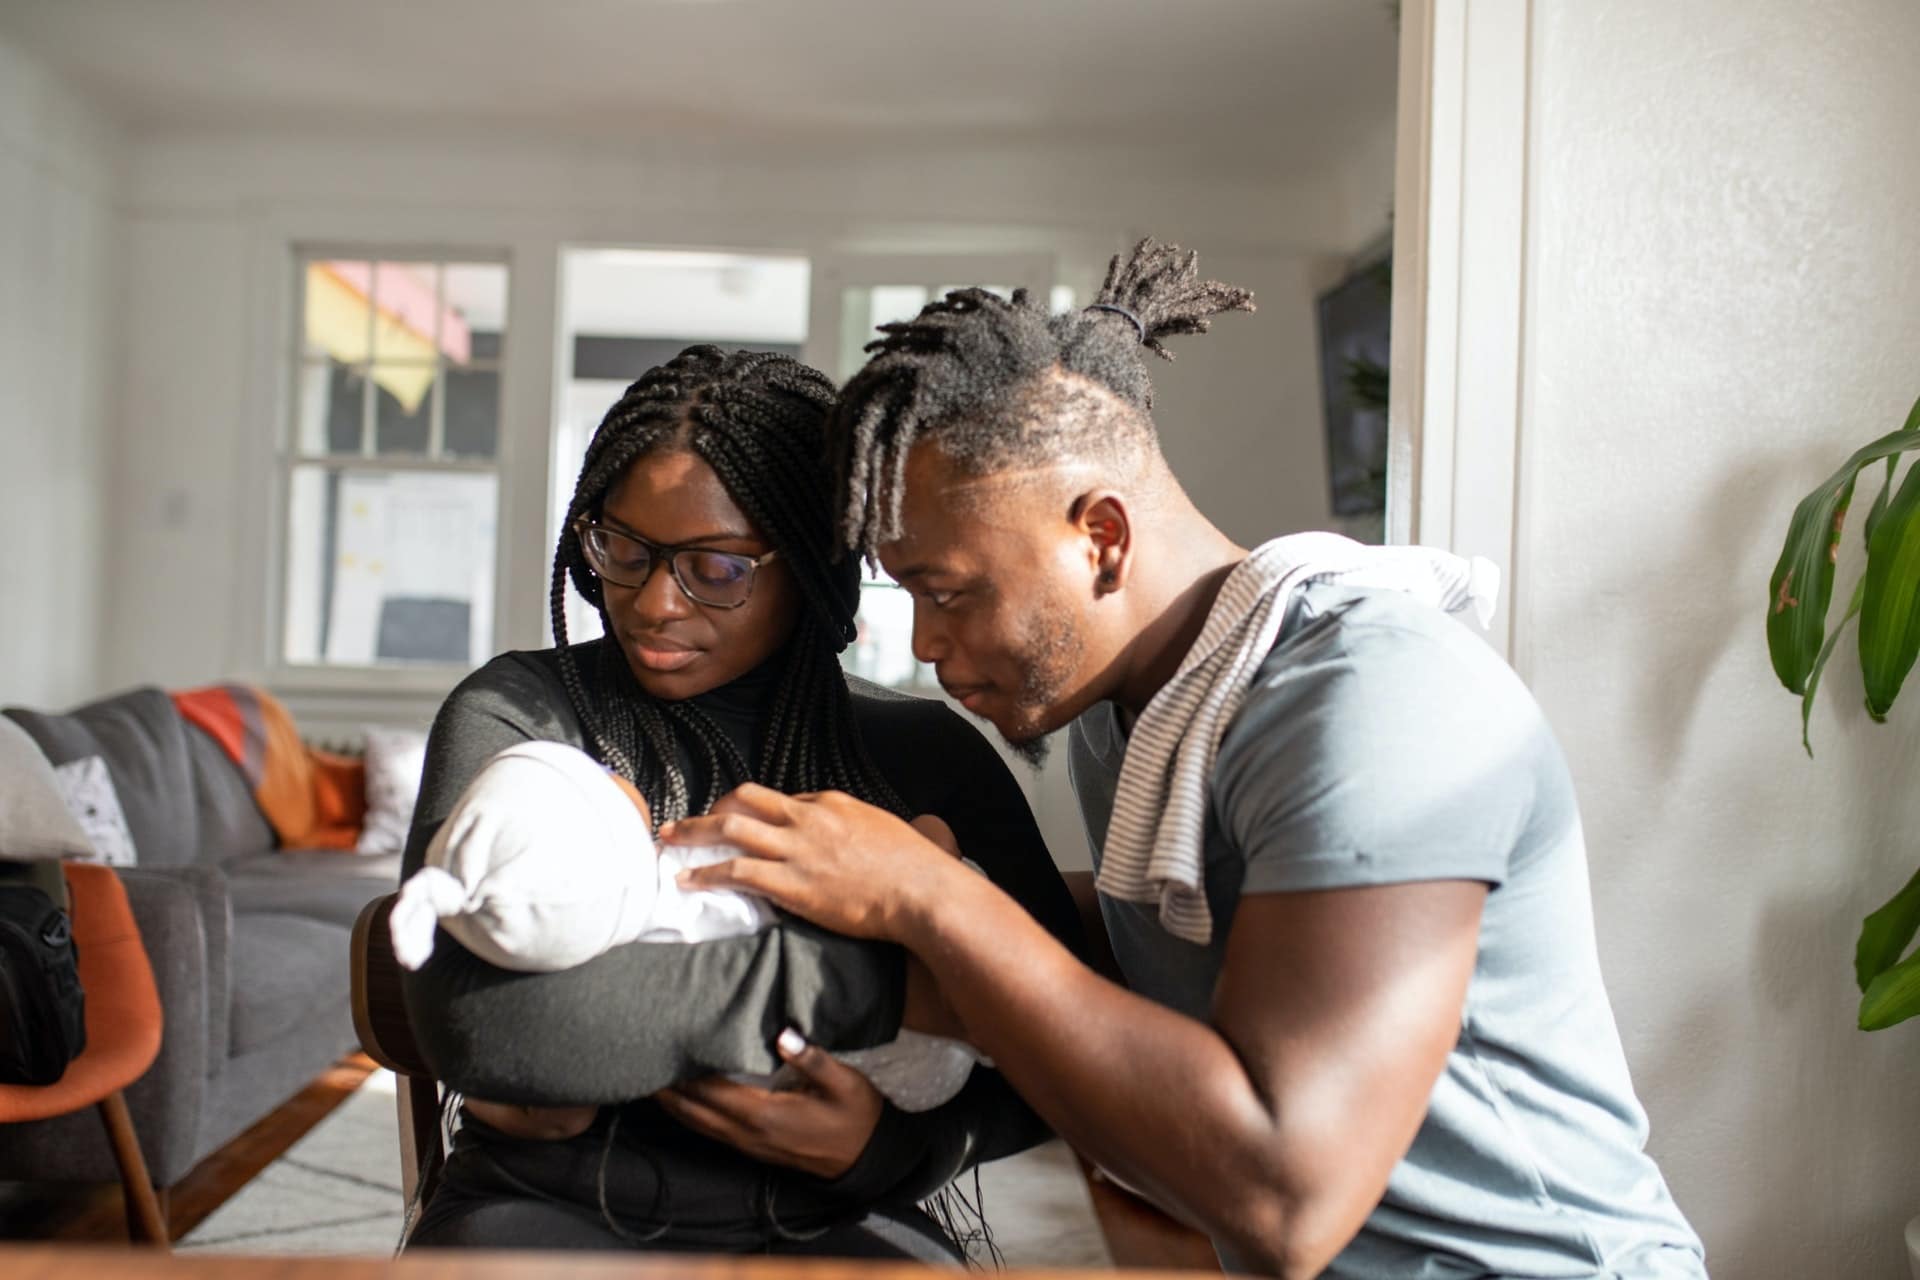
x=1101, y=517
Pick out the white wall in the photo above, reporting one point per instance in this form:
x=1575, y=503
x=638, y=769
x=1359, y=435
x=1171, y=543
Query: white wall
x=1724, y=300
x=212, y=217
x=59, y=230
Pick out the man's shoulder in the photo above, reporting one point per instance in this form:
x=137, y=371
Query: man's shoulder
x=1360, y=667
x=1345, y=643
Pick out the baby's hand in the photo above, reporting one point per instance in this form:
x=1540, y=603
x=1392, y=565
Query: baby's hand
x=937, y=831
x=539, y=1124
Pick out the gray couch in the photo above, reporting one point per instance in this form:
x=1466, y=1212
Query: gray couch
x=248, y=944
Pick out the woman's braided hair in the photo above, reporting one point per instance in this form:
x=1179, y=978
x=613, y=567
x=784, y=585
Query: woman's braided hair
x=973, y=370
x=758, y=420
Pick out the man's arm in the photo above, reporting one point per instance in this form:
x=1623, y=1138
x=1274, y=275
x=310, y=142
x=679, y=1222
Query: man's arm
x=1274, y=1128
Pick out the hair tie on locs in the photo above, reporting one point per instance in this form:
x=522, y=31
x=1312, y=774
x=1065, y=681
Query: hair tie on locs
x=1138, y=326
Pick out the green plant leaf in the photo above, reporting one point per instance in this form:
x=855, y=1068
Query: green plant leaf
x=1820, y=664
x=1890, y=616
x=1801, y=588
x=1879, y=507
x=1892, y=997
x=1886, y=933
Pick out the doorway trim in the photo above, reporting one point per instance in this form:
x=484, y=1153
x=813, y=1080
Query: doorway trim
x=1461, y=252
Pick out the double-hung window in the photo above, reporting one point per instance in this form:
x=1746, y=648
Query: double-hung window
x=391, y=466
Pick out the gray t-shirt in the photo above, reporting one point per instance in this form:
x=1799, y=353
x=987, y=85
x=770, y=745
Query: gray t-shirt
x=1383, y=743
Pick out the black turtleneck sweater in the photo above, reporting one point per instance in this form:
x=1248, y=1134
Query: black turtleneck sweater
x=646, y=1015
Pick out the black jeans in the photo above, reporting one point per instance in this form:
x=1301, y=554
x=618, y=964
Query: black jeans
x=497, y=1192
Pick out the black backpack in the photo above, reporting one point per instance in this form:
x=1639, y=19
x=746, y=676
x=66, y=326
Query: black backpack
x=43, y=1022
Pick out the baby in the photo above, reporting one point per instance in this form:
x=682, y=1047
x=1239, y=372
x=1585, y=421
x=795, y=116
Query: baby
x=547, y=860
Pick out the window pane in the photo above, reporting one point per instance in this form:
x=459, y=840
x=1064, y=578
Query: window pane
x=473, y=413
x=337, y=319
x=390, y=567
x=882, y=650
x=408, y=319
x=476, y=307
x=330, y=399
x=403, y=407
x=864, y=309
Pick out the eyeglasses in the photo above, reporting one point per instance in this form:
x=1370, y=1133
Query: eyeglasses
x=717, y=579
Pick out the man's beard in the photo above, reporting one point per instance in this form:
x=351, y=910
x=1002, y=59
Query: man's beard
x=1033, y=752
x=1048, y=653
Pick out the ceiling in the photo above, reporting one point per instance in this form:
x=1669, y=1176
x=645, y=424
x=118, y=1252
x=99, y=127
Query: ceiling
x=1231, y=81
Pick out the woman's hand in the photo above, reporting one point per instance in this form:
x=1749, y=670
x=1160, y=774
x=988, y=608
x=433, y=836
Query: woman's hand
x=843, y=864
x=540, y=1124
x=819, y=1128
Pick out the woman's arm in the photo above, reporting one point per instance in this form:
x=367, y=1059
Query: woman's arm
x=640, y=1016
x=911, y=1155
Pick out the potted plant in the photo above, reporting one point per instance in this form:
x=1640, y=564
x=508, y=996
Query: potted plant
x=1887, y=602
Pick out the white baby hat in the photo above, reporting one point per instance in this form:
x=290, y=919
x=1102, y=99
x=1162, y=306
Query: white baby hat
x=493, y=879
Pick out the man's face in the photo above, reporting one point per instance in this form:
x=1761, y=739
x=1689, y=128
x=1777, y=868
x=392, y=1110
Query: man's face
x=1001, y=585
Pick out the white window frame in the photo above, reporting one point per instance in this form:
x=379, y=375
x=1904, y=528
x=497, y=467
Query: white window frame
x=344, y=684
x=1461, y=280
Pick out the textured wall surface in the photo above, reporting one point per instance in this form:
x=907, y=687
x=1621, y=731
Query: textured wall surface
x=1725, y=300
x=59, y=242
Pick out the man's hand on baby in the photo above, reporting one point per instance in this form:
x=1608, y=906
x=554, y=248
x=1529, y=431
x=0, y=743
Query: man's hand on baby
x=820, y=1128
x=845, y=865
x=540, y=1124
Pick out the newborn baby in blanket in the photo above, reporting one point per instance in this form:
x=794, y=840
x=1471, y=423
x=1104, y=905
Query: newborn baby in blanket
x=548, y=860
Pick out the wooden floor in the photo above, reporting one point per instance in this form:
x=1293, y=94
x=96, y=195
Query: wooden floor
x=94, y=1214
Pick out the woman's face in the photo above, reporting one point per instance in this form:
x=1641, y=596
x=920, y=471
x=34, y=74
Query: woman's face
x=675, y=646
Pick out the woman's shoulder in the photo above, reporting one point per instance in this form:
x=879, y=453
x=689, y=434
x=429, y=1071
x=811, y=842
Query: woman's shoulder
x=516, y=670
x=895, y=718
x=520, y=688
x=879, y=702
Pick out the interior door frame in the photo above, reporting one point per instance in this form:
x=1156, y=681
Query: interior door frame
x=1461, y=252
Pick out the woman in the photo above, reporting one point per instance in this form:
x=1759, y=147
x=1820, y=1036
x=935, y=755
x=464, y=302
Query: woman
x=700, y=527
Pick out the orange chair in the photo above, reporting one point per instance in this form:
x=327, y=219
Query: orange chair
x=123, y=1038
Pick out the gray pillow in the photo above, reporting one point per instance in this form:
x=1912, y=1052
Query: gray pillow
x=144, y=742
x=34, y=821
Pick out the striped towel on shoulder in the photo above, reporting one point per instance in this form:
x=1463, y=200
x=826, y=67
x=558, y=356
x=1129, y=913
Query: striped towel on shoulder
x=1155, y=835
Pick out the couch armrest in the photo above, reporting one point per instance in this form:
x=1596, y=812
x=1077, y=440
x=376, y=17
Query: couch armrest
x=186, y=925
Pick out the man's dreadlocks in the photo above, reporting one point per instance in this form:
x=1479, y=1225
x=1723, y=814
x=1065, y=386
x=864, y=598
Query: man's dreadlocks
x=757, y=419
x=998, y=383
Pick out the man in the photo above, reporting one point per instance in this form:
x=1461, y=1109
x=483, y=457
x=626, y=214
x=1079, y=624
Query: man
x=1366, y=1033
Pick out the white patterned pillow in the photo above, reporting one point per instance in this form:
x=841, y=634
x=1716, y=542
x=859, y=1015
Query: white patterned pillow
x=395, y=758
x=87, y=788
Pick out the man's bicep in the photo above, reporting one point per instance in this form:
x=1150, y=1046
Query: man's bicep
x=1342, y=1005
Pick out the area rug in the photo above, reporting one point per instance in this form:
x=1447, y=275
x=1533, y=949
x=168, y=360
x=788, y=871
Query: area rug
x=337, y=1190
